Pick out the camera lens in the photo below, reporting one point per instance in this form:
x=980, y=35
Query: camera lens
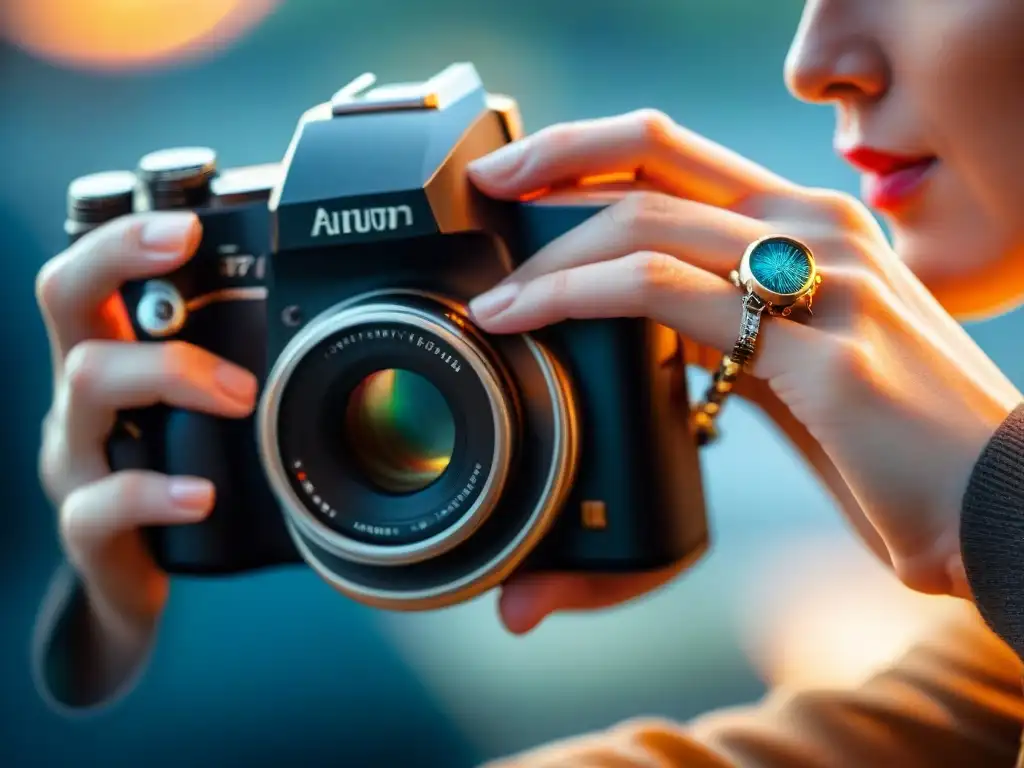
x=386, y=431
x=400, y=430
x=389, y=429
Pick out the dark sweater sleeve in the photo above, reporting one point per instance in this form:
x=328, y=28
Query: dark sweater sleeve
x=65, y=673
x=992, y=531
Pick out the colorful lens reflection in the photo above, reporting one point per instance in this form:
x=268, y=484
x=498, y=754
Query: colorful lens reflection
x=400, y=430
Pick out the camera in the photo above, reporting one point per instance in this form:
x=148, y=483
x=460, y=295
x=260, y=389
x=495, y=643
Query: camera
x=412, y=460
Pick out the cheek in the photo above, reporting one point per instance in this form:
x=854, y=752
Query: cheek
x=954, y=234
x=971, y=259
x=971, y=97
x=962, y=243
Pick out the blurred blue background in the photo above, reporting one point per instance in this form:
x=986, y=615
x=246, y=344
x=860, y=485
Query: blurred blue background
x=277, y=667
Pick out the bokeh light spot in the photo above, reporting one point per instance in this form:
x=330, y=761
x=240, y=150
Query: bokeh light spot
x=823, y=613
x=127, y=34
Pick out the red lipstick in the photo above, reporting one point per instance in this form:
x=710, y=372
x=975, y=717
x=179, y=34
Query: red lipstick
x=889, y=180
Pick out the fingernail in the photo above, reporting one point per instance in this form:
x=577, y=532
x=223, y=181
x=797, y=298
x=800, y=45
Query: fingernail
x=191, y=492
x=236, y=382
x=494, y=301
x=501, y=163
x=170, y=232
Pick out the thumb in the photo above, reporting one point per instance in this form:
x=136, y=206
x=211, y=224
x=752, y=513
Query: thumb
x=528, y=599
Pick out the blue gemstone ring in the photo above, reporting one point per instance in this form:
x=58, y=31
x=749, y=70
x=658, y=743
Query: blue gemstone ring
x=780, y=272
x=777, y=275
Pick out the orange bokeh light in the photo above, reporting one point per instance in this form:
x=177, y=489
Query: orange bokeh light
x=126, y=34
x=823, y=613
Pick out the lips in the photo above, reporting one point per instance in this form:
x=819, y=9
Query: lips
x=890, y=181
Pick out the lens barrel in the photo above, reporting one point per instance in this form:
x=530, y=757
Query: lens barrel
x=493, y=451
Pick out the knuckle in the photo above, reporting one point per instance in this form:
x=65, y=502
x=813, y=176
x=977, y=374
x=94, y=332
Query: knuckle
x=72, y=517
x=52, y=460
x=837, y=207
x=861, y=244
x=48, y=282
x=638, y=208
x=559, y=286
x=124, y=493
x=68, y=517
x=120, y=236
x=653, y=273
x=82, y=368
x=177, y=361
x=864, y=292
x=851, y=358
x=655, y=127
x=557, y=139
x=864, y=285
x=131, y=490
x=851, y=370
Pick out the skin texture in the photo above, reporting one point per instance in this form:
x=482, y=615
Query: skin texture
x=881, y=371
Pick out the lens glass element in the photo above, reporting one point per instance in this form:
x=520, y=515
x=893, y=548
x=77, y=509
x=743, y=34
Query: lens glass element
x=400, y=430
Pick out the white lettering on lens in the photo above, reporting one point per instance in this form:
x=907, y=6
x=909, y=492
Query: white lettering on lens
x=361, y=221
x=420, y=342
x=376, y=530
x=467, y=491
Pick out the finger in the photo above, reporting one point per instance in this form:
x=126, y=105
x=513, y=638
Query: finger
x=701, y=306
x=95, y=513
x=711, y=238
x=103, y=378
x=645, y=142
x=73, y=288
x=528, y=599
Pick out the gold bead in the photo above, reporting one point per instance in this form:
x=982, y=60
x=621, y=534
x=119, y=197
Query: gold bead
x=702, y=420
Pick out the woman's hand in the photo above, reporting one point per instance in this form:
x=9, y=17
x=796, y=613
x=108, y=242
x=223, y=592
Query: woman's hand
x=881, y=389
x=99, y=370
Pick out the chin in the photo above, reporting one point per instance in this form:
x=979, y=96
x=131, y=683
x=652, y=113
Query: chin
x=972, y=268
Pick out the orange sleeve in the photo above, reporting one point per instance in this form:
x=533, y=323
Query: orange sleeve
x=954, y=700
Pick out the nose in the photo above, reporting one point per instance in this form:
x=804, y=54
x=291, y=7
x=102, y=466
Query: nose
x=834, y=55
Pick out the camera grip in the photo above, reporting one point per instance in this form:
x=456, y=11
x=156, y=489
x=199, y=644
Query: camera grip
x=193, y=445
x=244, y=530
x=176, y=442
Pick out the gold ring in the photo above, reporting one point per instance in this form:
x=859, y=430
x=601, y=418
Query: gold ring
x=777, y=274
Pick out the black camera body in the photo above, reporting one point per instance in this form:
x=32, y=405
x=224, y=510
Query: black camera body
x=412, y=460
x=216, y=301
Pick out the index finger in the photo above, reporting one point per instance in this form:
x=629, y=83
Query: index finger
x=73, y=289
x=646, y=142
x=703, y=307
